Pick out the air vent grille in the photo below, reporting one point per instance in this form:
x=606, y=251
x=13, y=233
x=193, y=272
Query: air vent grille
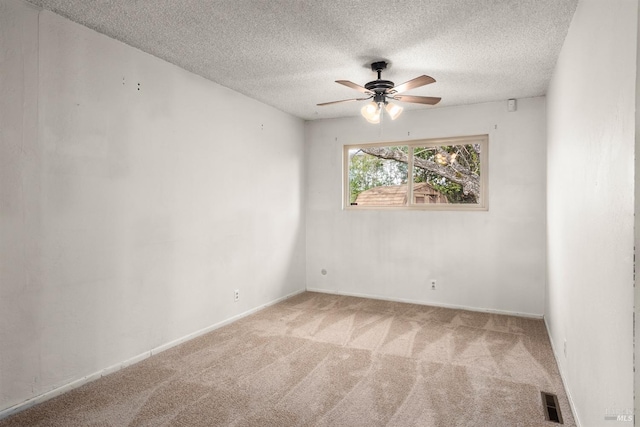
x=551, y=408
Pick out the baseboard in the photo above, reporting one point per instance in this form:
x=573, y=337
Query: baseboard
x=564, y=383
x=435, y=304
x=96, y=375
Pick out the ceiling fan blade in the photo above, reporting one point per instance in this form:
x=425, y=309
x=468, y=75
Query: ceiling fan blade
x=344, y=100
x=412, y=84
x=429, y=100
x=352, y=85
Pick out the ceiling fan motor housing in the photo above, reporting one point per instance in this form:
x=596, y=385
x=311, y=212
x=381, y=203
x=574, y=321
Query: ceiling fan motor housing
x=379, y=86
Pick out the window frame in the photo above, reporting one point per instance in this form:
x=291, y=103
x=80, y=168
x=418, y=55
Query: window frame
x=483, y=204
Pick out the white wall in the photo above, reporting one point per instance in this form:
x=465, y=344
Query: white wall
x=492, y=260
x=636, y=354
x=129, y=214
x=589, y=303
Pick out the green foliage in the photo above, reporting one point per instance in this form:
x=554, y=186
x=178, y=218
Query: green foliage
x=466, y=156
x=367, y=171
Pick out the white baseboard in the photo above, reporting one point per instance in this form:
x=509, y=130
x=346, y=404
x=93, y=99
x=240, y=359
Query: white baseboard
x=435, y=304
x=564, y=383
x=96, y=375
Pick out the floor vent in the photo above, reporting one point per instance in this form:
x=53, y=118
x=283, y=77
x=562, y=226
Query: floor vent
x=551, y=408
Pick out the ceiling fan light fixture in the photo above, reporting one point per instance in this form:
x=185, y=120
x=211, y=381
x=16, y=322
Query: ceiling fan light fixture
x=371, y=111
x=394, y=110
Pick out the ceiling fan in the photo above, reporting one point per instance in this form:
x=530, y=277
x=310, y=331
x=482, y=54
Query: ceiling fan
x=381, y=91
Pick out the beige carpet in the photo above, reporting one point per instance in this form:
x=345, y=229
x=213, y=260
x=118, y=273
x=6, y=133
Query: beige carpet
x=327, y=360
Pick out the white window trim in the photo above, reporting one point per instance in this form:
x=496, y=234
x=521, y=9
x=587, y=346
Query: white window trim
x=483, y=205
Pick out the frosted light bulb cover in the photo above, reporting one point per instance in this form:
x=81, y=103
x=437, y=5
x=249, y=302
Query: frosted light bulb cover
x=394, y=110
x=371, y=112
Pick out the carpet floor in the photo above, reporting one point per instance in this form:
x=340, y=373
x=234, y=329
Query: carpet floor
x=328, y=360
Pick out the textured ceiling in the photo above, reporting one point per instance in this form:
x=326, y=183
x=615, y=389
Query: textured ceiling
x=288, y=53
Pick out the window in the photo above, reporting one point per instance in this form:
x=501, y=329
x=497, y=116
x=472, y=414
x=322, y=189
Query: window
x=449, y=173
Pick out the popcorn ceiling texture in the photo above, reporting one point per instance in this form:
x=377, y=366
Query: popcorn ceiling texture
x=328, y=360
x=288, y=53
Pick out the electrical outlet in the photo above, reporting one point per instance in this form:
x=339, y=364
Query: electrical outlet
x=433, y=284
x=236, y=295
